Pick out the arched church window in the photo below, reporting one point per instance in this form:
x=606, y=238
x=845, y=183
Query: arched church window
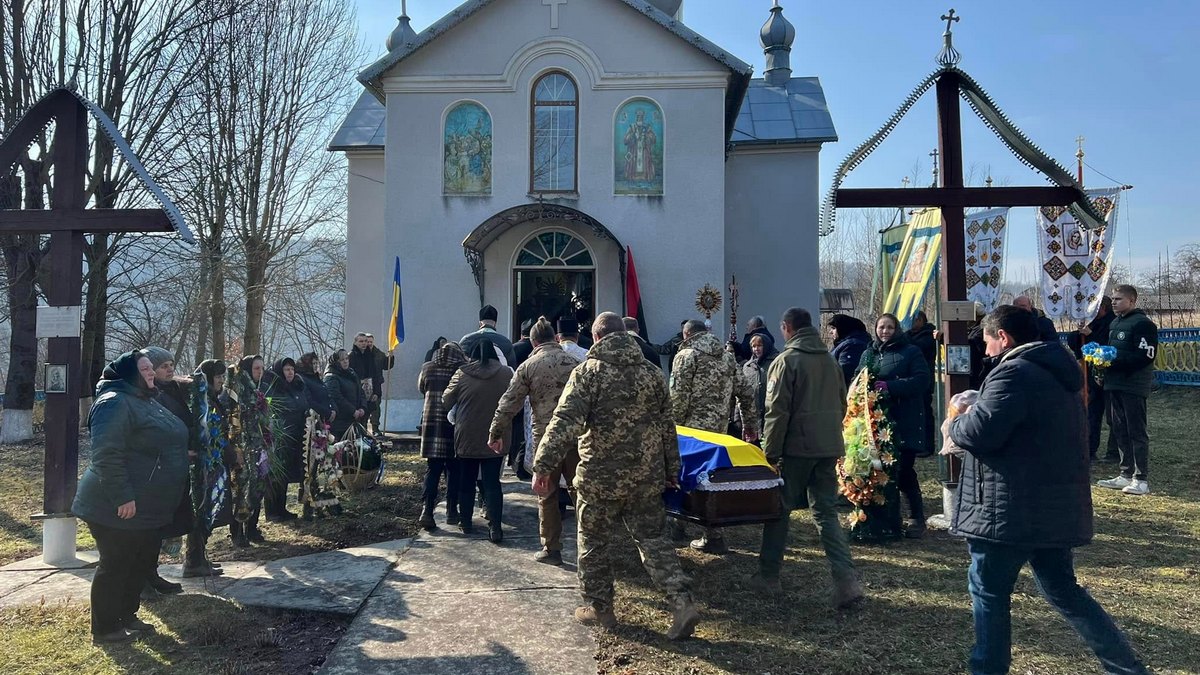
x=554, y=249
x=554, y=142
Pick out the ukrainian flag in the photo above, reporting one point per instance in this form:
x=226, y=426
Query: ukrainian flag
x=704, y=451
x=396, y=329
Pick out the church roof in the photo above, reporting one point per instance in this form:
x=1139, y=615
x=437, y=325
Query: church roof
x=370, y=77
x=774, y=115
x=364, y=126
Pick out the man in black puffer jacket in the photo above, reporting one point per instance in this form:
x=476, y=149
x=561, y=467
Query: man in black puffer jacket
x=1024, y=496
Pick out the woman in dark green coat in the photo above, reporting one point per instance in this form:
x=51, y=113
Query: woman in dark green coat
x=901, y=371
x=137, y=475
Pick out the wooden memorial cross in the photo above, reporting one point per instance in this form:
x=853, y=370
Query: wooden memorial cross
x=67, y=221
x=952, y=197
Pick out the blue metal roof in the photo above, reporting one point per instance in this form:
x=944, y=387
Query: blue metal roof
x=363, y=127
x=773, y=115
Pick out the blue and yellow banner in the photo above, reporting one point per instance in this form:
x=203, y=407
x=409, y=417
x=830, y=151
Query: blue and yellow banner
x=915, y=266
x=891, y=241
x=705, y=451
x=396, y=328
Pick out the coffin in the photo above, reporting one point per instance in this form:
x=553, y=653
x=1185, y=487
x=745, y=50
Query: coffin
x=724, y=481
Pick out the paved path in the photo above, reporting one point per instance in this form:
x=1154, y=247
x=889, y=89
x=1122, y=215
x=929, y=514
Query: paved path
x=457, y=604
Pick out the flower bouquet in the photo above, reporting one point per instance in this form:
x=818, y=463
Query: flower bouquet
x=866, y=472
x=1099, y=358
x=321, y=472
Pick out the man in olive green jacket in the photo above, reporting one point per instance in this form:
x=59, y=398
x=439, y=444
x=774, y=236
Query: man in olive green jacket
x=802, y=437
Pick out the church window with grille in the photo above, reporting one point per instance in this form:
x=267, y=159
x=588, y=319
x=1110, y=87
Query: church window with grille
x=554, y=141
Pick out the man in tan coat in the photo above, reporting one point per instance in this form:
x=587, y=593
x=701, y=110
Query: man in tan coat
x=705, y=380
x=542, y=378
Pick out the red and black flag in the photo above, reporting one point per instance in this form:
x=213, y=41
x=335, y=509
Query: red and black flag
x=633, y=295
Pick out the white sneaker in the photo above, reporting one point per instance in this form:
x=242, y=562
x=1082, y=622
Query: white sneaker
x=1137, y=487
x=1118, y=483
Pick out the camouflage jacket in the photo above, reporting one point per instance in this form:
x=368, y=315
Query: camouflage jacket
x=704, y=379
x=541, y=378
x=616, y=406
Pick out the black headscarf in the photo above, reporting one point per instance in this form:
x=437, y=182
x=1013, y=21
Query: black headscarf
x=334, y=363
x=210, y=368
x=125, y=368
x=307, y=365
x=846, y=325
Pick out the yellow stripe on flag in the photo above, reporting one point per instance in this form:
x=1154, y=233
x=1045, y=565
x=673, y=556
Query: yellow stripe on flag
x=740, y=452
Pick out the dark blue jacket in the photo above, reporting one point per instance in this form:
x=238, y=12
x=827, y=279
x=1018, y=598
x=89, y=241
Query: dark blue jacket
x=1026, y=479
x=139, y=454
x=848, y=352
x=318, y=395
x=902, y=366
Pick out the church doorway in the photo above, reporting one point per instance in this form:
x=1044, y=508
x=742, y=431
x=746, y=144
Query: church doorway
x=554, y=276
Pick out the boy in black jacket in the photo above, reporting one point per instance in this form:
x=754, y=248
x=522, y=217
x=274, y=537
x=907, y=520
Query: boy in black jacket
x=1127, y=384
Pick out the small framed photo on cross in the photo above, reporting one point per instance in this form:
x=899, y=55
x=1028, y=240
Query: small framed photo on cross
x=958, y=359
x=56, y=378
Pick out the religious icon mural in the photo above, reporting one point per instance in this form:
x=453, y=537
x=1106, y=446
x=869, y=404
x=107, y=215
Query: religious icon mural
x=467, y=151
x=638, y=156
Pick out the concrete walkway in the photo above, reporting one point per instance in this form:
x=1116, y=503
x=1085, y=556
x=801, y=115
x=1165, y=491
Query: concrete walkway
x=457, y=604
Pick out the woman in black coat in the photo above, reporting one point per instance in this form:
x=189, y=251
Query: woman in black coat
x=309, y=371
x=900, y=371
x=345, y=392
x=289, y=405
x=850, y=340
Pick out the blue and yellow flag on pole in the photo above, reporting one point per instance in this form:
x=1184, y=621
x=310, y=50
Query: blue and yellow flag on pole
x=915, y=267
x=396, y=329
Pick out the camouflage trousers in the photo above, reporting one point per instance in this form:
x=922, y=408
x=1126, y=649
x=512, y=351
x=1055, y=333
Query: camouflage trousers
x=642, y=517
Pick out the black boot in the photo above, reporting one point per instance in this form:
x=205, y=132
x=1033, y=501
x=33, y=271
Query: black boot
x=916, y=529
x=237, y=533
x=426, y=520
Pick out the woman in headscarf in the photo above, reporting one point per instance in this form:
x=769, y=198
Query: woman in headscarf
x=290, y=406
x=755, y=371
x=902, y=374
x=476, y=389
x=309, y=370
x=344, y=391
x=437, y=434
x=131, y=489
x=437, y=344
x=850, y=340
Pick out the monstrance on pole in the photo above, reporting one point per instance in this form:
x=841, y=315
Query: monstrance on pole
x=708, y=302
x=951, y=84
x=67, y=221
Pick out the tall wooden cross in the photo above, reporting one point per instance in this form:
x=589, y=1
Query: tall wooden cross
x=952, y=198
x=66, y=221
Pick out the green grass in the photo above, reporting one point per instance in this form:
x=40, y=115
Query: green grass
x=1142, y=567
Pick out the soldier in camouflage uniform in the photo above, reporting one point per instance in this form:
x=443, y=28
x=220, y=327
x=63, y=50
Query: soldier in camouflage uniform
x=705, y=379
x=615, y=406
x=542, y=378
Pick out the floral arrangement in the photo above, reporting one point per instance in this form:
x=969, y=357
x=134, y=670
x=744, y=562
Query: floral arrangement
x=210, y=486
x=252, y=436
x=321, y=471
x=1099, y=357
x=867, y=465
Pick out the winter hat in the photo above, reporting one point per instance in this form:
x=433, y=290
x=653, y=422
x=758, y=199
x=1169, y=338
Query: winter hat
x=210, y=368
x=157, y=355
x=488, y=313
x=568, y=327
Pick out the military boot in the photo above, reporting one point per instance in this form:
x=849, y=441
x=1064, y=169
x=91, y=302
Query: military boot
x=686, y=617
x=426, y=519
x=589, y=615
x=846, y=591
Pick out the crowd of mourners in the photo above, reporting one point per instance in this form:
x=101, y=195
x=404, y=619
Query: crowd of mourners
x=590, y=418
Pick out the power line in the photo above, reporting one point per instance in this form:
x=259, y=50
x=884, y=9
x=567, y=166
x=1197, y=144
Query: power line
x=1118, y=182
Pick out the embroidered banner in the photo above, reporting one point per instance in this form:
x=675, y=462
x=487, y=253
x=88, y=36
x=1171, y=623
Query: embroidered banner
x=914, y=268
x=1076, y=262
x=985, y=237
x=891, y=241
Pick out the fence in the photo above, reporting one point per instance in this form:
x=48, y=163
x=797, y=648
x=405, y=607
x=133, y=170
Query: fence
x=1177, y=362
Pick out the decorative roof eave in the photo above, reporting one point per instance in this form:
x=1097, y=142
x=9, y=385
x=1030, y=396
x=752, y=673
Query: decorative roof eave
x=371, y=76
x=489, y=230
x=995, y=119
x=109, y=128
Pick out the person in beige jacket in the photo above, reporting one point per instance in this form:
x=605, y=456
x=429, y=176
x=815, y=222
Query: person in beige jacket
x=476, y=390
x=541, y=378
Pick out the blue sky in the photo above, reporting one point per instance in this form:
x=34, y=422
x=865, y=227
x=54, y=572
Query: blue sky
x=1118, y=73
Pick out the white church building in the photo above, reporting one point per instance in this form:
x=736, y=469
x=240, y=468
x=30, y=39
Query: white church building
x=513, y=152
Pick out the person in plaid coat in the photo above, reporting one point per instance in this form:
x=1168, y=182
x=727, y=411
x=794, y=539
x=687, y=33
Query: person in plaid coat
x=437, y=434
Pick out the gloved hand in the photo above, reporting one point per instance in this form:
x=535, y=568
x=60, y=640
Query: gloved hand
x=880, y=385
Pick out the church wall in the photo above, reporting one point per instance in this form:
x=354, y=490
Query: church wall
x=368, y=300
x=770, y=235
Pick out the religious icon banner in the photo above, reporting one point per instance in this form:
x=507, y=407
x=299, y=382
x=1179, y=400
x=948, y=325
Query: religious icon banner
x=915, y=266
x=985, y=237
x=467, y=151
x=638, y=149
x=891, y=241
x=1076, y=262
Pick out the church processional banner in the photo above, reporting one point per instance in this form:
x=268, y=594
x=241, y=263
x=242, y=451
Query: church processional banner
x=914, y=268
x=1076, y=262
x=638, y=149
x=985, y=240
x=891, y=241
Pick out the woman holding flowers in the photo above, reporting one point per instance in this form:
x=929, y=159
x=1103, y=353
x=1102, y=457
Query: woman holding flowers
x=901, y=376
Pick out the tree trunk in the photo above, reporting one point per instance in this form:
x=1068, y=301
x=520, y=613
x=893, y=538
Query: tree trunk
x=95, y=313
x=21, y=255
x=217, y=297
x=257, y=257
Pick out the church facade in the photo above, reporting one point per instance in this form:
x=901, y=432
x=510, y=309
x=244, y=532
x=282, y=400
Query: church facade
x=517, y=151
